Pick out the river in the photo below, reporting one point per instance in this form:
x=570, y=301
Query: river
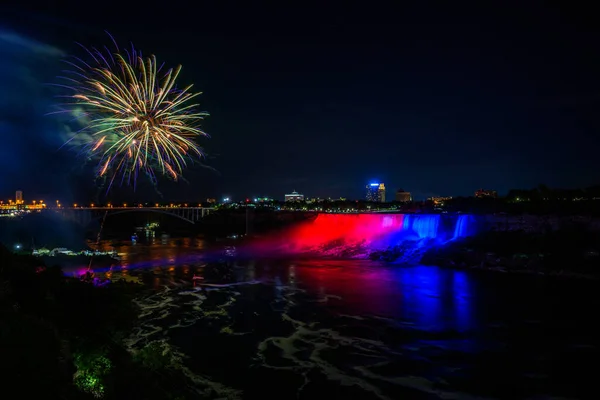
x=361, y=329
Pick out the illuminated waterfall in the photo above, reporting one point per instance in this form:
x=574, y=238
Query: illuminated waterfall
x=358, y=235
x=464, y=226
x=425, y=226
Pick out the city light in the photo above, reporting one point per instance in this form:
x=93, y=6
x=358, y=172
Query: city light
x=19, y=206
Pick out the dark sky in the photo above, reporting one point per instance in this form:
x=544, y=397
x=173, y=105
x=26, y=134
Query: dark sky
x=438, y=100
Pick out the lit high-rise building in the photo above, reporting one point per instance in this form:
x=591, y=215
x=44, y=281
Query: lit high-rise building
x=381, y=193
x=294, y=196
x=403, y=196
x=19, y=197
x=375, y=192
x=371, y=194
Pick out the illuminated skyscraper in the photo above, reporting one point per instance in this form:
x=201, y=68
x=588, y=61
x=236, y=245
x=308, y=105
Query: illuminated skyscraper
x=19, y=197
x=376, y=192
x=372, y=192
x=381, y=193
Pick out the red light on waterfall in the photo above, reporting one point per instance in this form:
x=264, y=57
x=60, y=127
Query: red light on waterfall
x=352, y=228
x=345, y=230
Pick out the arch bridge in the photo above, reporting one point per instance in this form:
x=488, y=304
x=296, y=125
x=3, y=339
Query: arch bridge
x=85, y=215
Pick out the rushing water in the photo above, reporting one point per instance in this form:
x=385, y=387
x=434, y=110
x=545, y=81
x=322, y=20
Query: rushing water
x=358, y=235
x=360, y=329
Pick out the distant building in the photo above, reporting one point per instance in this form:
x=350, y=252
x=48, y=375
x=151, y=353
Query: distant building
x=481, y=193
x=439, y=201
x=403, y=196
x=211, y=201
x=381, y=193
x=19, y=197
x=371, y=194
x=294, y=196
x=375, y=192
x=263, y=200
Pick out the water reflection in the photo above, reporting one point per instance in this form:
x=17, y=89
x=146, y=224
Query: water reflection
x=428, y=297
x=426, y=320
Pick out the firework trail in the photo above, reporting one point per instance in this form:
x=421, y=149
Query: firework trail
x=135, y=118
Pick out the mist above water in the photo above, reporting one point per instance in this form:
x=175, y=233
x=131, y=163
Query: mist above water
x=358, y=235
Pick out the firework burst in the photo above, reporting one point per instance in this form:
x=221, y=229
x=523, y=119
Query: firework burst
x=135, y=118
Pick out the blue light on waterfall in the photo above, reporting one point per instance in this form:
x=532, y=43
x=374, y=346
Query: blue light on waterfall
x=463, y=227
x=425, y=226
x=407, y=223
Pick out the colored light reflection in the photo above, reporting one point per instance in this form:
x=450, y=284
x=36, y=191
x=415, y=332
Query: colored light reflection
x=427, y=298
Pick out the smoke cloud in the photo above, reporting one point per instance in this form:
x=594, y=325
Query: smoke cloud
x=31, y=158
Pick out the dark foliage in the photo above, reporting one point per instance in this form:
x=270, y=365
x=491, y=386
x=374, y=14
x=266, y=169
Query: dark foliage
x=61, y=338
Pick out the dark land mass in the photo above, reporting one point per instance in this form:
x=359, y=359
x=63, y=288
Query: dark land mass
x=63, y=338
x=571, y=250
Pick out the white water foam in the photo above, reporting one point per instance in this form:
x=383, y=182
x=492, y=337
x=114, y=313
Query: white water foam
x=161, y=305
x=304, y=350
x=293, y=349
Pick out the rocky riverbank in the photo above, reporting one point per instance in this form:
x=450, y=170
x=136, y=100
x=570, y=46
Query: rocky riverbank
x=568, y=252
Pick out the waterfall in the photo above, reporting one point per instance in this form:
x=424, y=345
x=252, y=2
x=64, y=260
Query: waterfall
x=425, y=226
x=464, y=226
x=358, y=235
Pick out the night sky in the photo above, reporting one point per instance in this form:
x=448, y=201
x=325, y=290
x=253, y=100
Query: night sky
x=437, y=100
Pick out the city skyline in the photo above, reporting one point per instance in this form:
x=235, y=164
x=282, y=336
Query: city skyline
x=422, y=99
x=379, y=196
x=375, y=193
